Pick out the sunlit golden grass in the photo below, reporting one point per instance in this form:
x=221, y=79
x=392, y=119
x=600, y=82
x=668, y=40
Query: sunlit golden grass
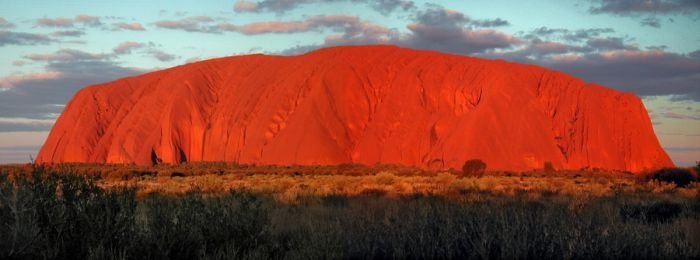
x=290, y=183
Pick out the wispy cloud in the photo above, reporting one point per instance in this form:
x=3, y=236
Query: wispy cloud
x=127, y=47
x=68, y=33
x=149, y=48
x=161, y=55
x=245, y=6
x=644, y=6
x=651, y=22
x=39, y=95
x=12, y=80
x=82, y=19
x=21, y=38
x=649, y=9
x=14, y=124
x=67, y=55
x=189, y=24
x=434, y=28
x=282, y=6
x=676, y=115
x=128, y=26
x=4, y=24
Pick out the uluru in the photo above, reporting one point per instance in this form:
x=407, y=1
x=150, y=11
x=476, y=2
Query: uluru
x=357, y=104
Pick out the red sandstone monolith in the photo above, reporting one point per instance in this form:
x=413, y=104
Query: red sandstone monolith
x=362, y=104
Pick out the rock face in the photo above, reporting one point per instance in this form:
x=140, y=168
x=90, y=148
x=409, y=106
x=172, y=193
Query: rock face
x=362, y=104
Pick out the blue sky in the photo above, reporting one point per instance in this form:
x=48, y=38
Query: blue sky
x=49, y=49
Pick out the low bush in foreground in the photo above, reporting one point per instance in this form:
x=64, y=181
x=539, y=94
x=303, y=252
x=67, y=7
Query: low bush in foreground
x=679, y=176
x=473, y=167
x=62, y=216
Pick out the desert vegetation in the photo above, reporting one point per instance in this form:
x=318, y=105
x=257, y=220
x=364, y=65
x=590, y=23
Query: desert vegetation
x=219, y=210
x=474, y=166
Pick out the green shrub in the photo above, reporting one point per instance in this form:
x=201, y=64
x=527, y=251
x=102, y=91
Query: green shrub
x=474, y=166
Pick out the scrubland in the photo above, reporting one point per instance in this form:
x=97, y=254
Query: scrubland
x=223, y=211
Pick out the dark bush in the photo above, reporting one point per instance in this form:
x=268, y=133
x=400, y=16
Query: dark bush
x=474, y=167
x=659, y=212
x=335, y=200
x=64, y=216
x=548, y=166
x=663, y=211
x=680, y=177
x=122, y=174
x=177, y=174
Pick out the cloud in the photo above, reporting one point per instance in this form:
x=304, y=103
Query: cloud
x=648, y=8
x=683, y=149
x=127, y=47
x=268, y=27
x=86, y=20
x=433, y=24
x=359, y=33
x=651, y=22
x=282, y=6
x=645, y=72
x=12, y=80
x=14, y=124
x=128, y=26
x=41, y=95
x=5, y=24
x=543, y=43
x=55, y=22
x=437, y=16
x=434, y=28
x=68, y=33
x=245, y=6
x=189, y=24
x=695, y=55
x=537, y=50
x=631, y=7
x=437, y=28
x=498, y=22
x=335, y=22
x=675, y=115
x=610, y=43
x=161, y=55
x=67, y=55
x=149, y=48
x=388, y=6
x=566, y=34
x=348, y=25
x=457, y=40
x=20, y=38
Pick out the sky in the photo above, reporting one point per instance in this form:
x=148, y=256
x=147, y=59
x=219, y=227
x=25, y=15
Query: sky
x=50, y=49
